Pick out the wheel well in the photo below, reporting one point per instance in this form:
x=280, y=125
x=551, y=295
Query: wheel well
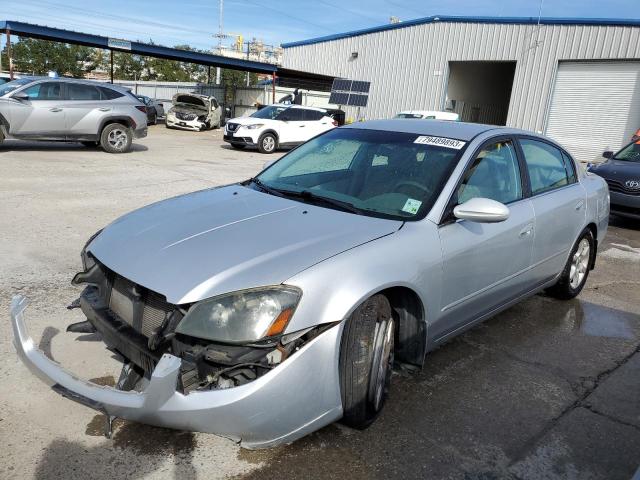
x=594, y=230
x=122, y=120
x=408, y=311
x=272, y=132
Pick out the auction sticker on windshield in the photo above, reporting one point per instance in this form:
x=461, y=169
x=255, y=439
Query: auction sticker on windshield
x=440, y=142
x=412, y=206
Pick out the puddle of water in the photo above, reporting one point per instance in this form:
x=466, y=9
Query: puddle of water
x=143, y=439
x=597, y=321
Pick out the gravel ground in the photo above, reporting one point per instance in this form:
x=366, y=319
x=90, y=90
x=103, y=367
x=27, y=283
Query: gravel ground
x=546, y=389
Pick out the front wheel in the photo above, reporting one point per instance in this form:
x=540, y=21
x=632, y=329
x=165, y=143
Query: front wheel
x=366, y=361
x=116, y=138
x=267, y=143
x=576, y=271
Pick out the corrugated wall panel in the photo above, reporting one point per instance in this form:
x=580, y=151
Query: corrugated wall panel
x=402, y=64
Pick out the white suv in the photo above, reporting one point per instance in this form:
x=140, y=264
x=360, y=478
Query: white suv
x=277, y=126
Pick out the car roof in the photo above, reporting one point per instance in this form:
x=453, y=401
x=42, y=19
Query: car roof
x=78, y=80
x=437, y=128
x=294, y=105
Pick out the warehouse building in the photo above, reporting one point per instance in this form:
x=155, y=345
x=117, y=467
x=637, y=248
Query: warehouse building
x=576, y=80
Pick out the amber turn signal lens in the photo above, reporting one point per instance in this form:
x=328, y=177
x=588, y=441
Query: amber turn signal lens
x=278, y=326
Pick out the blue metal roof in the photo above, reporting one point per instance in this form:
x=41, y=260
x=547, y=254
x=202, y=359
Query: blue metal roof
x=460, y=19
x=138, y=48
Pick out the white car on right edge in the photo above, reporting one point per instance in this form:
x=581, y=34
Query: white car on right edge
x=429, y=115
x=276, y=126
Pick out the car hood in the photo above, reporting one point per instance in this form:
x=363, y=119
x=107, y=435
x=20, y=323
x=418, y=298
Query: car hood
x=220, y=240
x=619, y=170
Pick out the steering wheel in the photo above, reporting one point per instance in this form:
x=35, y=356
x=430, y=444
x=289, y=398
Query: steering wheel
x=411, y=184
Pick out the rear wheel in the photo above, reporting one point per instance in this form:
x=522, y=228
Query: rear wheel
x=116, y=138
x=366, y=361
x=153, y=119
x=576, y=271
x=267, y=143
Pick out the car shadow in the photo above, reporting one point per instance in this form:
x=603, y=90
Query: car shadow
x=624, y=222
x=32, y=146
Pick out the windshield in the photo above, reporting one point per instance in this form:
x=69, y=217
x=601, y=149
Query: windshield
x=630, y=153
x=269, y=113
x=409, y=115
x=377, y=173
x=11, y=86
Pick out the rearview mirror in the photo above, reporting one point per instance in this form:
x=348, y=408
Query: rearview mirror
x=482, y=210
x=20, y=96
x=607, y=154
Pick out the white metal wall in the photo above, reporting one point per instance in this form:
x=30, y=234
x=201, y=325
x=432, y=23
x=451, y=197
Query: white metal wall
x=408, y=67
x=595, y=107
x=166, y=90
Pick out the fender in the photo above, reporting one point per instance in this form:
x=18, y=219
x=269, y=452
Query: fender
x=399, y=259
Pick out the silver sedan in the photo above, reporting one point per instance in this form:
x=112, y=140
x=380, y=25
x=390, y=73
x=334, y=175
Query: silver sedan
x=264, y=310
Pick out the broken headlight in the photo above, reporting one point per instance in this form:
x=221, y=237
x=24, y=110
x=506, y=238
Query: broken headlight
x=242, y=317
x=87, y=260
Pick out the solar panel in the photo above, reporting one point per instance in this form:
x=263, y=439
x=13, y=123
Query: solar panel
x=358, y=100
x=359, y=86
x=339, y=98
x=341, y=84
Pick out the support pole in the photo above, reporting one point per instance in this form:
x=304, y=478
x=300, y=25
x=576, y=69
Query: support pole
x=8, y=32
x=111, y=55
x=209, y=74
x=273, y=87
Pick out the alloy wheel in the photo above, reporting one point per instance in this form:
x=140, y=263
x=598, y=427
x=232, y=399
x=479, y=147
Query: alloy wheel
x=579, y=263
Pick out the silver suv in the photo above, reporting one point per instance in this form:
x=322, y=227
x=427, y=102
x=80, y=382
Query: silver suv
x=63, y=109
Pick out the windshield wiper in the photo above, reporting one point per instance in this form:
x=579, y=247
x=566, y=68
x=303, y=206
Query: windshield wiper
x=265, y=188
x=332, y=202
x=307, y=196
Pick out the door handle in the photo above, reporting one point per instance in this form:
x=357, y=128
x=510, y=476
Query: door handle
x=526, y=231
x=579, y=205
x=55, y=109
x=104, y=109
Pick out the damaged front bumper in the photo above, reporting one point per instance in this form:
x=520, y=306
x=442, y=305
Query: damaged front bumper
x=193, y=125
x=298, y=397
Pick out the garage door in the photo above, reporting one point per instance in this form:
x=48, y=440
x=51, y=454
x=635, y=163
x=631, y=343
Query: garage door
x=595, y=106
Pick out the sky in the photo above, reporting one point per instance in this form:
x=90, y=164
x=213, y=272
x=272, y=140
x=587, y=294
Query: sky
x=193, y=22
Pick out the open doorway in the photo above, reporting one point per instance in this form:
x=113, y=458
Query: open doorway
x=480, y=91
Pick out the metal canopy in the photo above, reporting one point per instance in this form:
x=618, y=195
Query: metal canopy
x=68, y=36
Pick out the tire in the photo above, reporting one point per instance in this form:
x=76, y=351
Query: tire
x=576, y=271
x=238, y=146
x=267, y=143
x=90, y=144
x=366, y=360
x=153, y=121
x=116, y=138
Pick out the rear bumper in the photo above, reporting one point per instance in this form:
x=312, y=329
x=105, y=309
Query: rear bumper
x=296, y=398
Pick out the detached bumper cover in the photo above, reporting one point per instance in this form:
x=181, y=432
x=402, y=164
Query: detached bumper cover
x=296, y=398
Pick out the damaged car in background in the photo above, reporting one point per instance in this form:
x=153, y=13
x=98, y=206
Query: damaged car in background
x=264, y=310
x=192, y=111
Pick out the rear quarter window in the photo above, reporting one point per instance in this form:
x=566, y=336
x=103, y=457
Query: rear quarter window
x=109, y=94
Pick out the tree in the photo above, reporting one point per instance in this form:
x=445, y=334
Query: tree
x=39, y=57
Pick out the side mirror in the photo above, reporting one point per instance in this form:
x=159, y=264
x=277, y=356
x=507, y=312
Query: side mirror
x=20, y=96
x=482, y=210
x=268, y=163
x=607, y=154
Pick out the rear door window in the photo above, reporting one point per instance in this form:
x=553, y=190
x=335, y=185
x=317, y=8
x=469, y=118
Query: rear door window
x=312, y=115
x=77, y=91
x=546, y=165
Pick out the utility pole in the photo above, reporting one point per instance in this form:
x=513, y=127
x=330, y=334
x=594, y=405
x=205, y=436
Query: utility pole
x=220, y=36
x=9, y=54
